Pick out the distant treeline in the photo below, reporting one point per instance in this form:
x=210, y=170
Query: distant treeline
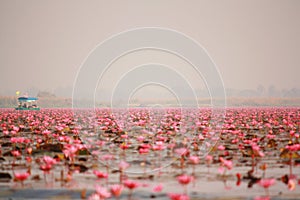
x=58, y=102
x=263, y=101
x=44, y=102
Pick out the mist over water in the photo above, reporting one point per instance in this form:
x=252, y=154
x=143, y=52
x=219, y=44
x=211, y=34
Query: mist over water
x=254, y=44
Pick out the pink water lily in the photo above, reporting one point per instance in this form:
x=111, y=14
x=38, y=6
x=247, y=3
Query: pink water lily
x=174, y=196
x=21, y=177
x=102, y=192
x=184, y=179
x=131, y=185
x=266, y=183
x=116, y=190
x=100, y=174
x=158, y=188
x=227, y=163
x=16, y=153
x=167, y=141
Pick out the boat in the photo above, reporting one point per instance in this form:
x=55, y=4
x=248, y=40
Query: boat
x=27, y=103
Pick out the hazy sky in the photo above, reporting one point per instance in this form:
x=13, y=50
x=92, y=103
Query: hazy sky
x=43, y=43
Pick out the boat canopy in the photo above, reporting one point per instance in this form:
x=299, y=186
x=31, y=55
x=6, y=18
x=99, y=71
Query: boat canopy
x=27, y=99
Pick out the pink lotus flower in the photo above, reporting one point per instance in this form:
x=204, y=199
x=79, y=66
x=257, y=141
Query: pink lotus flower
x=194, y=159
x=200, y=137
x=48, y=160
x=13, y=132
x=46, y=132
x=291, y=184
x=116, y=190
x=158, y=188
x=158, y=146
x=140, y=138
x=174, y=196
x=239, y=177
x=143, y=150
x=107, y=157
x=221, y=148
x=29, y=150
x=208, y=159
x=100, y=174
x=124, y=146
x=46, y=167
x=171, y=145
x=221, y=170
x=256, y=149
x=131, y=184
x=124, y=136
x=102, y=192
x=266, y=183
x=184, y=179
x=70, y=150
x=28, y=159
x=94, y=196
x=181, y=151
x=17, y=139
x=226, y=163
x=21, y=176
x=16, y=129
x=295, y=147
x=16, y=153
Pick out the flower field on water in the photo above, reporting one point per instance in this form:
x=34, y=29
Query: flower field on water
x=141, y=153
